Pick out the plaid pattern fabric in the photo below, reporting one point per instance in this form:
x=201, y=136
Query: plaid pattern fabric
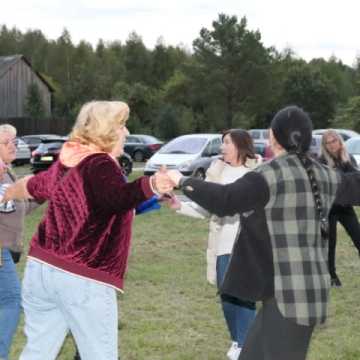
x=301, y=278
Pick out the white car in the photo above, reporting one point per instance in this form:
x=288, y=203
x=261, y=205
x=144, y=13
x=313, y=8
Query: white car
x=183, y=152
x=353, y=147
x=346, y=134
x=260, y=135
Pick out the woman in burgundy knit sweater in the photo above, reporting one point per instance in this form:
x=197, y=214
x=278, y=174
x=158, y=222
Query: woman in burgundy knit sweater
x=78, y=256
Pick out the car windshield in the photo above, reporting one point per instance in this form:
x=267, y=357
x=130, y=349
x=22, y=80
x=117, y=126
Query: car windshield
x=44, y=147
x=184, y=145
x=150, y=139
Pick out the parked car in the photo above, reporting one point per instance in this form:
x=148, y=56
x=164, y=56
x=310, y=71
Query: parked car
x=126, y=163
x=345, y=133
x=315, y=146
x=263, y=148
x=259, y=135
x=33, y=141
x=182, y=152
x=48, y=152
x=353, y=147
x=201, y=165
x=23, y=153
x=142, y=147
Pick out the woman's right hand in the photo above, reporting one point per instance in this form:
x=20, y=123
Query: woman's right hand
x=171, y=200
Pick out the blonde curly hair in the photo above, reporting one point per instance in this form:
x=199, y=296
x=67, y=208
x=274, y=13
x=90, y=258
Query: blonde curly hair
x=98, y=122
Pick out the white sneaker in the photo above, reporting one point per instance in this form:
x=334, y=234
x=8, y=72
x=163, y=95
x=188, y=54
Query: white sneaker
x=234, y=351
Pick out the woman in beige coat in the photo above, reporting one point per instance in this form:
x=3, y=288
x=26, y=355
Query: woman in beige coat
x=238, y=159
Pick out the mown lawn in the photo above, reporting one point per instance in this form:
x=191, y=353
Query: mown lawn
x=169, y=312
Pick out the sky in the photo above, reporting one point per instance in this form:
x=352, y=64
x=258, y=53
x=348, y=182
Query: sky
x=312, y=28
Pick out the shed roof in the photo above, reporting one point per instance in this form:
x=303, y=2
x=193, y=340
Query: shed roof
x=7, y=61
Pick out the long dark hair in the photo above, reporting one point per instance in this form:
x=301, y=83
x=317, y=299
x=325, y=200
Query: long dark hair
x=243, y=143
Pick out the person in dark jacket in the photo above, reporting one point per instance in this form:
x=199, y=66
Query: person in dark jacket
x=335, y=155
x=280, y=256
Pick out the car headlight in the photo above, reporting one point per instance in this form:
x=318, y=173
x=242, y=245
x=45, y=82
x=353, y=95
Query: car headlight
x=185, y=165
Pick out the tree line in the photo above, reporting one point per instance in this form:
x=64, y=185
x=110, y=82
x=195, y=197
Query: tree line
x=229, y=79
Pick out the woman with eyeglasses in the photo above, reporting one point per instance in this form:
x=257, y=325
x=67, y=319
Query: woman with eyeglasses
x=335, y=155
x=11, y=229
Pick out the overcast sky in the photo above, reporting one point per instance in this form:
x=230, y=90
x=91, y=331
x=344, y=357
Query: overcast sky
x=312, y=28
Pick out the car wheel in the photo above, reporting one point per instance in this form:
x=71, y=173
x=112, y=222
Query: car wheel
x=125, y=165
x=138, y=156
x=199, y=174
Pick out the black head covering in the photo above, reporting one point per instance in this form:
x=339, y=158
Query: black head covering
x=292, y=128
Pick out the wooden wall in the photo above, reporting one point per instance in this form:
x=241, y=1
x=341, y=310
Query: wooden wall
x=14, y=87
x=30, y=126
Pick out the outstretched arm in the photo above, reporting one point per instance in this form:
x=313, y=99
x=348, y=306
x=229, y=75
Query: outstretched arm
x=249, y=192
x=18, y=190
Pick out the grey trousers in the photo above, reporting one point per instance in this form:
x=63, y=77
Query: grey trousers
x=273, y=337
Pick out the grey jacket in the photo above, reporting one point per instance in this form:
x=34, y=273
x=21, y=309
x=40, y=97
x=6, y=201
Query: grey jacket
x=12, y=224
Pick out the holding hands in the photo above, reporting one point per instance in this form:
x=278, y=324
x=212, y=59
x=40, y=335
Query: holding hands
x=174, y=176
x=164, y=180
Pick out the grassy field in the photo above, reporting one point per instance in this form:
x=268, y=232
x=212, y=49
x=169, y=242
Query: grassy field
x=169, y=312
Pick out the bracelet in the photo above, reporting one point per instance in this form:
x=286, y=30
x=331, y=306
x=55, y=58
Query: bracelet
x=153, y=185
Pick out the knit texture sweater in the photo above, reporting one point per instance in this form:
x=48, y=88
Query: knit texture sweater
x=86, y=229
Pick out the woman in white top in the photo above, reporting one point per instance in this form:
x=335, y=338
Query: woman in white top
x=238, y=159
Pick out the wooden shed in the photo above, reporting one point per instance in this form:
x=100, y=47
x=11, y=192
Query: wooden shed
x=16, y=75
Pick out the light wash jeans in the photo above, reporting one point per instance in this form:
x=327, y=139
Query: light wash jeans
x=10, y=302
x=239, y=314
x=55, y=302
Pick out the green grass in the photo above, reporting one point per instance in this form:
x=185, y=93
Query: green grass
x=169, y=312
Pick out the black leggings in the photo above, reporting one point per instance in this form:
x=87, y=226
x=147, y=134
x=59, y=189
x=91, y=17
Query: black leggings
x=273, y=337
x=348, y=219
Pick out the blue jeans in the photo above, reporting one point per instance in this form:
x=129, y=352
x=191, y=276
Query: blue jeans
x=238, y=314
x=10, y=302
x=55, y=302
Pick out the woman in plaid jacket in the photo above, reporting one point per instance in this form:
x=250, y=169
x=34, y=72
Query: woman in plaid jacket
x=280, y=256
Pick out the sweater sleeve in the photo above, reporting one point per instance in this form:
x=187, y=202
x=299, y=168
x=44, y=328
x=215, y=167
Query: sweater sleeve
x=40, y=186
x=247, y=193
x=109, y=189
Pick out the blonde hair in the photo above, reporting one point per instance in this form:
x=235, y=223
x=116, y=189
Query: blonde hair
x=98, y=122
x=7, y=128
x=329, y=158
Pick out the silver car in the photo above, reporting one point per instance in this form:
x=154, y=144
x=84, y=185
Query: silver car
x=23, y=153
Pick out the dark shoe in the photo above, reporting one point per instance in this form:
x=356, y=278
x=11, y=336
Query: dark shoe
x=15, y=256
x=335, y=282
